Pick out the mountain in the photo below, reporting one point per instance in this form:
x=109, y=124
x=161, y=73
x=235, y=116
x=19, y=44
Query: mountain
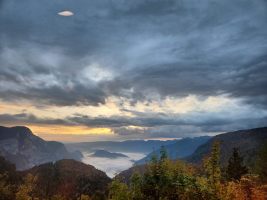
x=248, y=141
x=69, y=178
x=107, y=154
x=126, y=175
x=21, y=147
x=179, y=149
x=139, y=146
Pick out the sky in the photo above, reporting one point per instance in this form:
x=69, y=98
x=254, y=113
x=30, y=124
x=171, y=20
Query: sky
x=80, y=70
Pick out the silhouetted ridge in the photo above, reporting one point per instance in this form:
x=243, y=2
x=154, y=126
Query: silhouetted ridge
x=20, y=146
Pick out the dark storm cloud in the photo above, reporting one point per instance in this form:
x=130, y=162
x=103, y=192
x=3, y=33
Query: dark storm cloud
x=150, y=125
x=25, y=118
x=77, y=95
x=150, y=47
x=173, y=48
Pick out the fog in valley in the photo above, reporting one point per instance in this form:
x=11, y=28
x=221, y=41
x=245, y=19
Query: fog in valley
x=112, y=166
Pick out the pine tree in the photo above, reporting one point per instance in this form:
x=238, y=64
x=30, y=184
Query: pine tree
x=212, y=164
x=213, y=172
x=235, y=169
x=136, y=186
x=163, y=154
x=118, y=190
x=262, y=163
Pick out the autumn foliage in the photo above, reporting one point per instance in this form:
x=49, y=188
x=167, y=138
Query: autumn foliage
x=170, y=180
x=162, y=179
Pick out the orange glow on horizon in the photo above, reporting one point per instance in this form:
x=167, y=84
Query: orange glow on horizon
x=71, y=130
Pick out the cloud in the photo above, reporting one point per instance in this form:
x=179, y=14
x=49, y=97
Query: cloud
x=157, y=124
x=66, y=13
x=141, y=51
x=24, y=118
x=171, y=48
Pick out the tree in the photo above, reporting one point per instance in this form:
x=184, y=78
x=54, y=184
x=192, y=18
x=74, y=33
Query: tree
x=262, y=163
x=213, y=172
x=5, y=188
x=163, y=154
x=157, y=178
x=8, y=180
x=212, y=164
x=118, y=191
x=25, y=191
x=136, y=186
x=235, y=169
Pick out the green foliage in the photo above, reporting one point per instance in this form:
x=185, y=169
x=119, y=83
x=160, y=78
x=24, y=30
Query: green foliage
x=235, y=169
x=136, y=186
x=261, y=167
x=119, y=191
x=163, y=179
x=212, y=165
x=163, y=154
x=175, y=180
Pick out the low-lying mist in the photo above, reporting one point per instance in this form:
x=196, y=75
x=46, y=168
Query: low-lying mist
x=112, y=166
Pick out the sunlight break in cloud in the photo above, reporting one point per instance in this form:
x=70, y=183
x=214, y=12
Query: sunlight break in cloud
x=66, y=13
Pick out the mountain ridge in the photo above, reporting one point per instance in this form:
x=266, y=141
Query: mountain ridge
x=140, y=146
x=247, y=141
x=181, y=148
x=67, y=178
x=20, y=146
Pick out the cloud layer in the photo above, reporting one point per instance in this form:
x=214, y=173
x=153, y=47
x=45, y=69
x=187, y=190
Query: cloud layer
x=136, y=51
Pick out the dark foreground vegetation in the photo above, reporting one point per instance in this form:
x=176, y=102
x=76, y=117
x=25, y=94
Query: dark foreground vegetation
x=62, y=180
x=166, y=180
x=160, y=179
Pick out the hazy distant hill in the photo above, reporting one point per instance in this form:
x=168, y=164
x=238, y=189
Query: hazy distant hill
x=179, y=149
x=107, y=154
x=248, y=141
x=140, y=146
x=20, y=146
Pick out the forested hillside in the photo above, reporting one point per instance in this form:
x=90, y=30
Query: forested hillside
x=247, y=141
x=63, y=180
x=162, y=178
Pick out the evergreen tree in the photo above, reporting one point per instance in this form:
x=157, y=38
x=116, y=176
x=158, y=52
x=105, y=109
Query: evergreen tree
x=213, y=171
x=235, y=169
x=136, y=187
x=262, y=163
x=163, y=154
x=118, y=191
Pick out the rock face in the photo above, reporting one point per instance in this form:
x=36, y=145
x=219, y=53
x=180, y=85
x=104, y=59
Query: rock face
x=107, y=154
x=21, y=147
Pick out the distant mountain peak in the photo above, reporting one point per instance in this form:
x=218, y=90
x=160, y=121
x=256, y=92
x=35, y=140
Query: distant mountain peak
x=20, y=146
